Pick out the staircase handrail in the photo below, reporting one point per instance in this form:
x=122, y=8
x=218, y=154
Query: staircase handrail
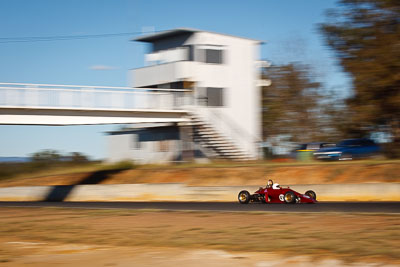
x=227, y=128
x=238, y=130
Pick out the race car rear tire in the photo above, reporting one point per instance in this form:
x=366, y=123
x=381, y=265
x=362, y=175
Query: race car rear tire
x=311, y=194
x=244, y=197
x=289, y=198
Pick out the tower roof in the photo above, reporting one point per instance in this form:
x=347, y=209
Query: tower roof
x=149, y=38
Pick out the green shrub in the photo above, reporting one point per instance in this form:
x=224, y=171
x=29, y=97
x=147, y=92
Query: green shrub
x=121, y=165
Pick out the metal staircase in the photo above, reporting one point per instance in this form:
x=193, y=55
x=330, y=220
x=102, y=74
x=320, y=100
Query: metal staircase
x=215, y=144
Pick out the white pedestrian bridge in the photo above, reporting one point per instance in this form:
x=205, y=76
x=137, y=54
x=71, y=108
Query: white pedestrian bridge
x=50, y=104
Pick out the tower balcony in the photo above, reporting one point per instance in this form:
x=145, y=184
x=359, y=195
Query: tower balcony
x=163, y=73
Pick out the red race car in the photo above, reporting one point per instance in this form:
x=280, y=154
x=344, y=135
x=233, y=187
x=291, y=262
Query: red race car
x=274, y=193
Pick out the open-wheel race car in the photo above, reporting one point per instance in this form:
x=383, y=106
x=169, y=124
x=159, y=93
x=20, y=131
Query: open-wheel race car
x=274, y=193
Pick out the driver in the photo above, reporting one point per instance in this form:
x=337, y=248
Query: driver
x=270, y=183
x=273, y=185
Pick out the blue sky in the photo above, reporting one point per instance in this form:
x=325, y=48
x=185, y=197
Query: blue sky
x=288, y=27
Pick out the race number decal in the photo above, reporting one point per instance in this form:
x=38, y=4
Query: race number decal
x=281, y=197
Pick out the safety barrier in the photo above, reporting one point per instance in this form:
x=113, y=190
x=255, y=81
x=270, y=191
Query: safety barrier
x=181, y=192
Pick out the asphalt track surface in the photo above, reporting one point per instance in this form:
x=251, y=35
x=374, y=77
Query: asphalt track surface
x=363, y=207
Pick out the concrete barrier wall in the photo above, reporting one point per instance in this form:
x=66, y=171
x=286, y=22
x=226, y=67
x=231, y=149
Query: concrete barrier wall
x=181, y=192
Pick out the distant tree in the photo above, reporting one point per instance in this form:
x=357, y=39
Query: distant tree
x=334, y=121
x=291, y=103
x=46, y=156
x=365, y=35
x=78, y=157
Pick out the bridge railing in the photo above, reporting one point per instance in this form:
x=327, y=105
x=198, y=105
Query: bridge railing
x=92, y=97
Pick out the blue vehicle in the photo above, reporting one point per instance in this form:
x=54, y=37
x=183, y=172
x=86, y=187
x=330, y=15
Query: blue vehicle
x=349, y=149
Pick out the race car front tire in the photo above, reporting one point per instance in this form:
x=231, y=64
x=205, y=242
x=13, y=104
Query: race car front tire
x=244, y=197
x=311, y=194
